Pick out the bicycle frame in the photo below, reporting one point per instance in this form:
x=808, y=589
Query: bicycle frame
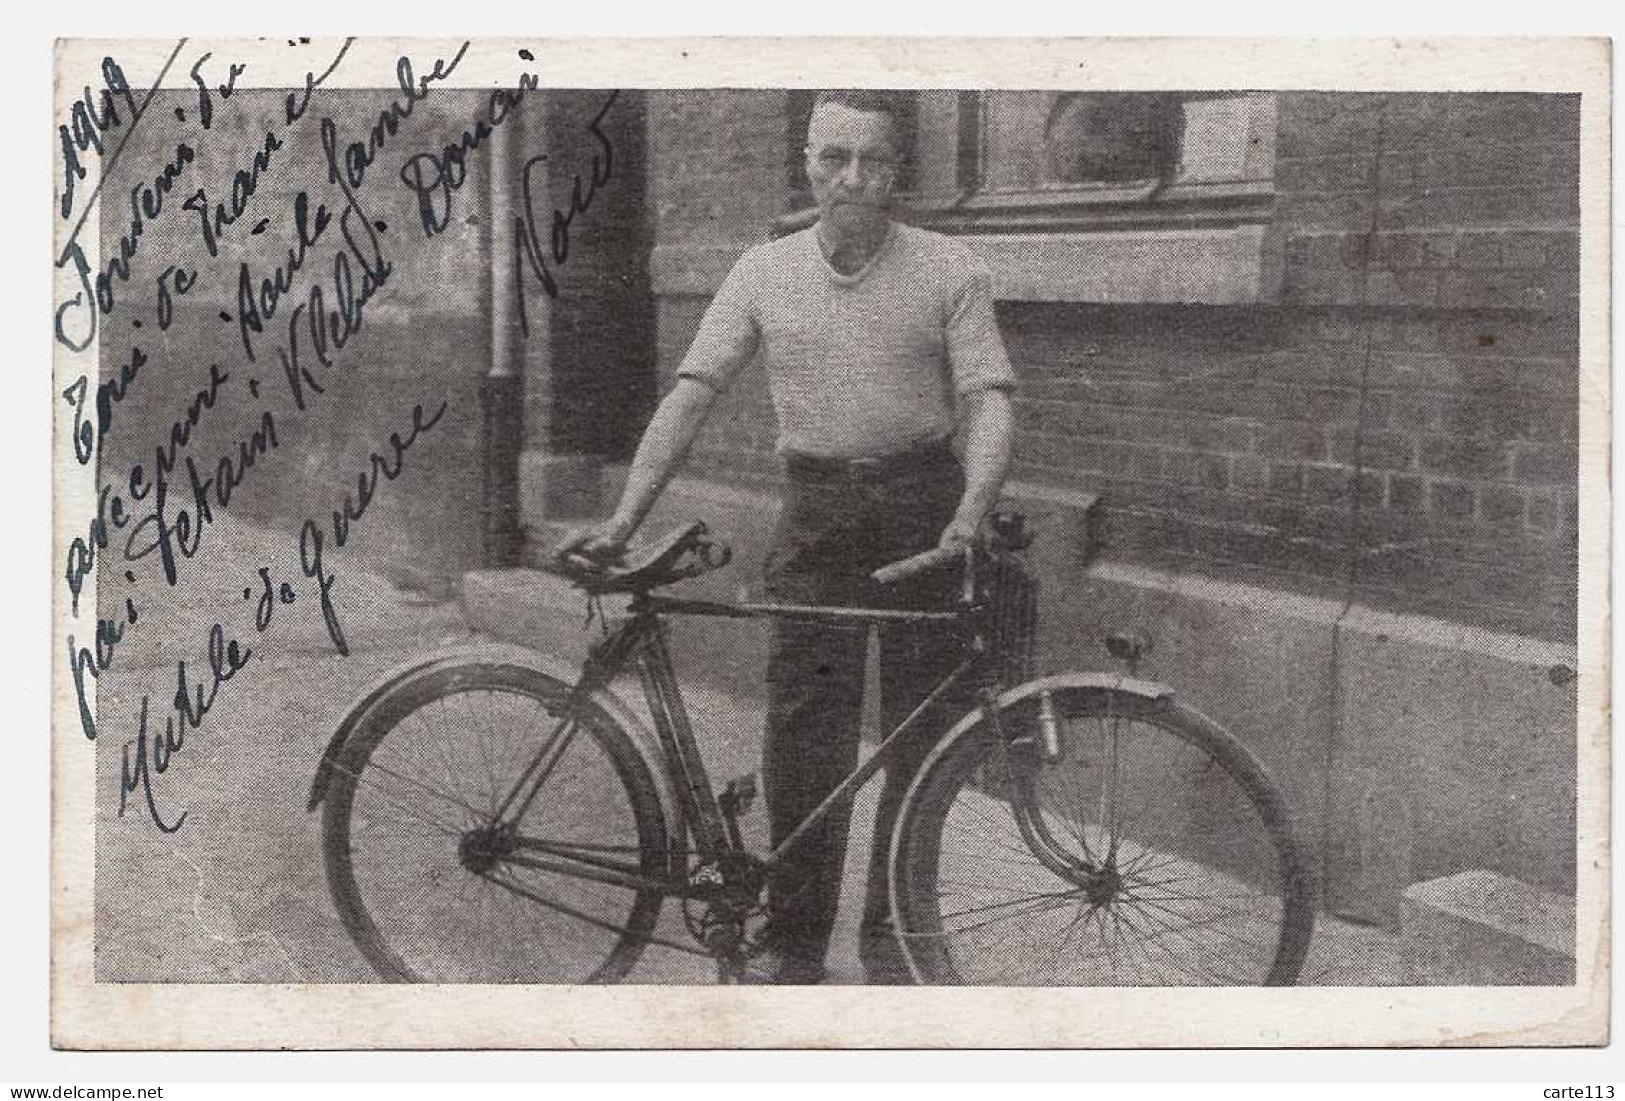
x=640, y=640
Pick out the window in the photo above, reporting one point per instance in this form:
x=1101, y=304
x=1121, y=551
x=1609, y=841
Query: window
x=1084, y=139
x=1017, y=160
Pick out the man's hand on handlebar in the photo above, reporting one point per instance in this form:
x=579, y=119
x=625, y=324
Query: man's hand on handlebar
x=956, y=545
x=958, y=535
x=602, y=542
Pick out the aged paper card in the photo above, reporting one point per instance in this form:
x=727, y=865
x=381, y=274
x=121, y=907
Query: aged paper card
x=1246, y=399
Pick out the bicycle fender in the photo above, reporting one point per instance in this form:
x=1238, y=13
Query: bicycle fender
x=1151, y=690
x=406, y=674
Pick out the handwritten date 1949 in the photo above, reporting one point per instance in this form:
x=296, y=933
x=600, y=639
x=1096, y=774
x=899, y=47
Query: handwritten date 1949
x=92, y=118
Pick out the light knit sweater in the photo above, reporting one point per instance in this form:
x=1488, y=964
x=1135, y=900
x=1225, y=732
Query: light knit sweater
x=861, y=365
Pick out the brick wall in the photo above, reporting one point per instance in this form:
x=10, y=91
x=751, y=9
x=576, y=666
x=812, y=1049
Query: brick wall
x=713, y=194
x=1229, y=439
x=1468, y=350
x=1404, y=414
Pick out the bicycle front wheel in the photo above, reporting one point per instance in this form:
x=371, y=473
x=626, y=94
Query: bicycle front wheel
x=429, y=878
x=1100, y=838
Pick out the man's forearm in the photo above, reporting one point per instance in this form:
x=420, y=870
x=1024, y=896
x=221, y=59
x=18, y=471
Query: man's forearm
x=665, y=442
x=989, y=436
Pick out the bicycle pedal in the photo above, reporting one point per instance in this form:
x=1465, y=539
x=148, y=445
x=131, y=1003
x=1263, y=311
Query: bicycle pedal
x=707, y=875
x=739, y=794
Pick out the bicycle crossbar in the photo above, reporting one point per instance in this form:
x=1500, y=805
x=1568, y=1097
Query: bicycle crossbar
x=670, y=605
x=820, y=611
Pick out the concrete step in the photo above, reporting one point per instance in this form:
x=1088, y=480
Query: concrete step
x=1480, y=928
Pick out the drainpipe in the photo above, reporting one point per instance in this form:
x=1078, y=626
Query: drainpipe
x=502, y=391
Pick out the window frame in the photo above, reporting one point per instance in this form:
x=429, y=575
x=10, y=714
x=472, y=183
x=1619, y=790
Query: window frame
x=972, y=207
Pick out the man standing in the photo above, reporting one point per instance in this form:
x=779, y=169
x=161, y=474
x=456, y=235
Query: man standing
x=879, y=341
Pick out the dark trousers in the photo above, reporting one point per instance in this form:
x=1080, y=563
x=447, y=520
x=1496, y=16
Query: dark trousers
x=833, y=532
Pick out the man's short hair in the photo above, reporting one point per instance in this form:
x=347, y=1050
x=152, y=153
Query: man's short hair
x=896, y=105
x=864, y=99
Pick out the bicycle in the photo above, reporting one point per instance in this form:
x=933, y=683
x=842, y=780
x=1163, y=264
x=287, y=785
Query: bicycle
x=1083, y=829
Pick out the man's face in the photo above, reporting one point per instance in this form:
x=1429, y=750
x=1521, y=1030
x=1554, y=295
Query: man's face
x=852, y=163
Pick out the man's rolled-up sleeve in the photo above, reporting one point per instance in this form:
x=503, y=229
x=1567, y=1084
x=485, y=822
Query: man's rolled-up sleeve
x=975, y=349
x=728, y=334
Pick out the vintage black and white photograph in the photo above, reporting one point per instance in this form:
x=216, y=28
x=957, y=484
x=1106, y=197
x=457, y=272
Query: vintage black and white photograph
x=1067, y=530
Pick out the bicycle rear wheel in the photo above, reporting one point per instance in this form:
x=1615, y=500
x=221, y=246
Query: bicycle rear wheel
x=1106, y=839
x=424, y=881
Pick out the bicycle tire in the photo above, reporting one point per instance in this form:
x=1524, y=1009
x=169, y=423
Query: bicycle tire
x=1211, y=884
x=394, y=819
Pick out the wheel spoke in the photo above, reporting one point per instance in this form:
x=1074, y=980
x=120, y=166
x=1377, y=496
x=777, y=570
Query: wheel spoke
x=1207, y=923
x=424, y=785
x=1140, y=796
x=442, y=904
x=1037, y=907
x=406, y=809
x=475, y=732
x=1148, y=940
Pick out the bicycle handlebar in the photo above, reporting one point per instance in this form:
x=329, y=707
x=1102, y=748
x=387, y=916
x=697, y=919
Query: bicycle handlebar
x=687, y=553
x=894, y=572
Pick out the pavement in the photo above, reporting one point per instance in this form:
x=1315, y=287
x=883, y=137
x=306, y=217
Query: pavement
x=237, y=894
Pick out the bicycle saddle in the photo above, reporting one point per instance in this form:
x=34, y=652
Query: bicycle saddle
x=682, y=553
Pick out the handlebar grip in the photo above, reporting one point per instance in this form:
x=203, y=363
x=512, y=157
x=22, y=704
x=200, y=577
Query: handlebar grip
x=894, y=572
